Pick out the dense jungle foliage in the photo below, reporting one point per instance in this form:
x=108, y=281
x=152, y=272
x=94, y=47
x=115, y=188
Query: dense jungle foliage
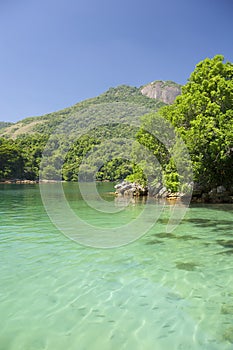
x=203, y=116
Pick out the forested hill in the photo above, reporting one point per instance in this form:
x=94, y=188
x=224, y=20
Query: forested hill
x=151, y=96
x=22, y=143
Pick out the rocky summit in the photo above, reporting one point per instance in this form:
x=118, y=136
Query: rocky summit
x=164, y=91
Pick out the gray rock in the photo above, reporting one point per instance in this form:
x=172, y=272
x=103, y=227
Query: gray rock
x=162, y=191
x=221, y=189
x=155, y=189
x=164, y=91
x=130, y=189
x=213, y=192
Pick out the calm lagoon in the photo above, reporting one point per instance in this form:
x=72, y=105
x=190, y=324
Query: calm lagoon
x=163, y=291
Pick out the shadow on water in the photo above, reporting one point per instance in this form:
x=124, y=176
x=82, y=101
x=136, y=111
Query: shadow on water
x=160, y=238
x=215, y=225
x=226, y=252
x=220, y=228
x=173, y=236
x=154, y=241
x=225, y=243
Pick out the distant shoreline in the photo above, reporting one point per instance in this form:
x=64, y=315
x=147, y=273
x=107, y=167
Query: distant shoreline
x=11, y=182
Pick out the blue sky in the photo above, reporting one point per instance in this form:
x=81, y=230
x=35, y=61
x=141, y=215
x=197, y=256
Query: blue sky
x=55, y=53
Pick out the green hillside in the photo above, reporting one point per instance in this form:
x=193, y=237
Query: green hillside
x=48, y=122
x=97, y=119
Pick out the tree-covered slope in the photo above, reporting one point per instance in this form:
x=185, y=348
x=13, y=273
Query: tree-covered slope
x=48, y=122
x=100, y=117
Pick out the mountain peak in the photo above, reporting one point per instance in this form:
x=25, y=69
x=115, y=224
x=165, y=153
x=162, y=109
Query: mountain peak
x=164, y=91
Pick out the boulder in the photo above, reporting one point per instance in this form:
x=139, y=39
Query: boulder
x=221, y=189
x=130, y=189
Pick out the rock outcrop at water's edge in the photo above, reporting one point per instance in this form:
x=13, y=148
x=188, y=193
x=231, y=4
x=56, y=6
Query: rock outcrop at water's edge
x=199, y=195
x=217, y=194
x=130, y=189
x=126, y=188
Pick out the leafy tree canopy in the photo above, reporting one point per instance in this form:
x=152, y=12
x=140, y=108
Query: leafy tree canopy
x=203, y=116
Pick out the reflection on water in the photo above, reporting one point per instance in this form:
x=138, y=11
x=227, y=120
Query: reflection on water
x=164, y=291
x=123, y=201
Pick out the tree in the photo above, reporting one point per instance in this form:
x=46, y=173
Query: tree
x=11, y=160
x=31, y=147
x=161, y=156
x=203, y=115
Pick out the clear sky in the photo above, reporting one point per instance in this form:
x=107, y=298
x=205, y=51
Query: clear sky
x=55, y=53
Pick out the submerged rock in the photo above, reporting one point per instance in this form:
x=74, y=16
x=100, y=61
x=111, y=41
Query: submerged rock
x=188, y=266
x=227, y=309
x=228, y=334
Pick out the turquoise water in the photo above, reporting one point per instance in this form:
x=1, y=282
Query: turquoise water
x=163, y=291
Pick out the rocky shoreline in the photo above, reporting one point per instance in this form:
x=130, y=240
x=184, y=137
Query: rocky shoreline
x=126, y=188
x=216, y=195
x=19, y=182
x=199, y=194
x=28, y=181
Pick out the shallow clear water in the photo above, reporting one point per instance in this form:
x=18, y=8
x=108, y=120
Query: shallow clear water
x=164, y=291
